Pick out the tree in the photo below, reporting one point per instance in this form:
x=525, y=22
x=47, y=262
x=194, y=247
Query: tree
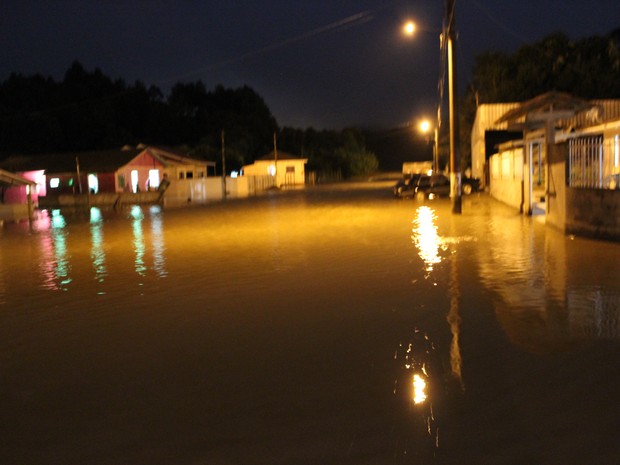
x=588, y=68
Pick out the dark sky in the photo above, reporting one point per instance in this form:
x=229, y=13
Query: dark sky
x=320, y=63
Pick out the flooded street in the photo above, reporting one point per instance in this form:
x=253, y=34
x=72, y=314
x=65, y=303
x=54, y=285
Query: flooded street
x=333, y=325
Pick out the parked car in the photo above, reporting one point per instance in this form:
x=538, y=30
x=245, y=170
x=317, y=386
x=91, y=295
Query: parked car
x=469, y=185
x=438, y=185
x=405, y=187
x=435, y=185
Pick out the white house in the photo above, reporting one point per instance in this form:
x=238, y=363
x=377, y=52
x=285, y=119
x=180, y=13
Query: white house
x=284, y=168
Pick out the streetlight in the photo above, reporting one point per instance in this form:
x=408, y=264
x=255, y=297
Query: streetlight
x=425, y=127
x=448, y=41
x=409, y=28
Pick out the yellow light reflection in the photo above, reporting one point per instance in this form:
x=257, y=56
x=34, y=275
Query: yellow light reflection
x=426, y=238
x=157, y=233
x=419, y=389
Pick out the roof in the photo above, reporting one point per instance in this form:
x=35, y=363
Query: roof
x=488, y=114
x=8, y=178
x=552, y=105
x=103, y=161
x=281, y=156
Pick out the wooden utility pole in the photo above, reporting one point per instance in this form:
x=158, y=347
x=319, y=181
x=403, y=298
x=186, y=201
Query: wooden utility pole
x=223, y=167
x=455, y=151
x=79, y=175
x=275, y=156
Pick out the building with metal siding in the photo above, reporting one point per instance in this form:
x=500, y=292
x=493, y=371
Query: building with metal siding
x=487, y=115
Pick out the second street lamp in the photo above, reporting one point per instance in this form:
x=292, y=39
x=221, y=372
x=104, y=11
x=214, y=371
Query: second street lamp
x=425, y=128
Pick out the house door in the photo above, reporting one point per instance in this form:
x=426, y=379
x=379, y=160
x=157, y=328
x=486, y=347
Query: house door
x=289, y=177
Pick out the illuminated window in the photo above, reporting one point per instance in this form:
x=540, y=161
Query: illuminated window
x=134, y=181
x=93, y=183
x=54, y=183
x=271, y=170
x=153, y=179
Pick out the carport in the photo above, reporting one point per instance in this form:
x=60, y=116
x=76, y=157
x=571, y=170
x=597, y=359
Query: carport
x=11, y=180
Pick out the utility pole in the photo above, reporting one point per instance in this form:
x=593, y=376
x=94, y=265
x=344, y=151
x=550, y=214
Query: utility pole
x=275, y=156
x=223, y=167
x=455, y=151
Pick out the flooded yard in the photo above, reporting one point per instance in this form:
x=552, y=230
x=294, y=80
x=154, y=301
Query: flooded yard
x=332, y=325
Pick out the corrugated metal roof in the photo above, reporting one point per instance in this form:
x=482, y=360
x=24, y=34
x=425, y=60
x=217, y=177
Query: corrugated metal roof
x=11, y=179
x=281, y=156
x=488, y=114
x=101, y=161
x=603, y=111
x=105, y=161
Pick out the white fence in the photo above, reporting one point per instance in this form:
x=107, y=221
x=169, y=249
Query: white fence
x=594, y=162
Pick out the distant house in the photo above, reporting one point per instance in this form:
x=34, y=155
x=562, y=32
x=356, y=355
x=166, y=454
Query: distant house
x=129, y=170
x=284, y=168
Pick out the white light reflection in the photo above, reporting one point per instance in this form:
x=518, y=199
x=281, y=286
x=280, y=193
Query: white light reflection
x=138, y=239
x=426, y=238
x=56, y=268
x=97, y=252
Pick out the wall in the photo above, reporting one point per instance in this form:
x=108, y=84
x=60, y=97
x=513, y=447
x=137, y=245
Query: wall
x=13, y=212
x=109, y=199
x=185, y=191
x=593, y=212
x=195, y=191
x=506, y=177
x=260, y=168
x=556, y=197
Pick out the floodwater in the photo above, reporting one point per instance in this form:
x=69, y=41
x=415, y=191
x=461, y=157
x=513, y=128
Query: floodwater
x=332, y=325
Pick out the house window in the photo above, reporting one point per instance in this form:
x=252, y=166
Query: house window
x=181, y=174
x=189, y=175
x=93, y=184
x=54, y=183
x=134, y=181
x=121, y=181
x=153, y=179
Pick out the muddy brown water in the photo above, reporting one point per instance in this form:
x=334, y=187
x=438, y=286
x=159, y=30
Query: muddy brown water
x=302, y=328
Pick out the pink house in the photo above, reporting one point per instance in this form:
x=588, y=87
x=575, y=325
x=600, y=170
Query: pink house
x=17, y=196
x=130, y=169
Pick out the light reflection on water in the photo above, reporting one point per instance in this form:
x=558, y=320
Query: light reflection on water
x=263, y=332
x=97, y=253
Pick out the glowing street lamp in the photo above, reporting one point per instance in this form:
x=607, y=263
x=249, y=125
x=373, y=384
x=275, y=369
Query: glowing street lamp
x=425, y=128
x=409, y=28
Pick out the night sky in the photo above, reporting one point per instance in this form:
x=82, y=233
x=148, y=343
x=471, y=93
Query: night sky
x=320, y=63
